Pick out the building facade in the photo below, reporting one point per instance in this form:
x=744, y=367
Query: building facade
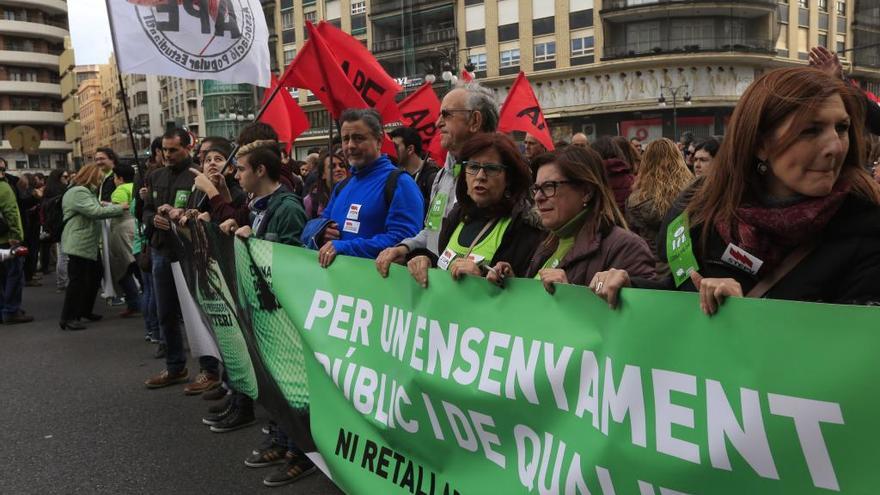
x=599, y=66
x=91, y=112
x=72, y=77
x=227, y=107
x=32, y=37
x=181, y=102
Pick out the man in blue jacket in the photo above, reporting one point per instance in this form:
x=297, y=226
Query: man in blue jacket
x=377, y=207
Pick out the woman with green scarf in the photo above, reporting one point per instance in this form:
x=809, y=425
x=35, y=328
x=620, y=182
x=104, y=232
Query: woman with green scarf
x=588, y=233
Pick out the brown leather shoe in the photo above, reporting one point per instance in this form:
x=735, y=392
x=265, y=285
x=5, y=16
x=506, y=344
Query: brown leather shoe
x=165, y=379
x=204, y=381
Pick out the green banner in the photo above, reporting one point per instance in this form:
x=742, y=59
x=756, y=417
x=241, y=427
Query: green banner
x=468, y=388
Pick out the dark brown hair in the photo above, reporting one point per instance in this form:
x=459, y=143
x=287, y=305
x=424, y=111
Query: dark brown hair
x=764, y=106
x=630, y=153
x=584, y=166
x=519, y=176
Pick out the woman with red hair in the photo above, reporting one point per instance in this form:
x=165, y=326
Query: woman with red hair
x=787, y=212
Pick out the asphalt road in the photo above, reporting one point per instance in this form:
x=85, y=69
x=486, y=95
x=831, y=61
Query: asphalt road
x=76, y=418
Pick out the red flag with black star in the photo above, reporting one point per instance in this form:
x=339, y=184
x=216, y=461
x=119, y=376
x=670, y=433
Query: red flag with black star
x=522, y=112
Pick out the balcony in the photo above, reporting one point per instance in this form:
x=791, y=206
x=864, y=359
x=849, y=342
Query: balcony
x=49, y=6
x=23, y=117
x=192, y=119
x=755, y=45
x=33, y=30
x=30, y=88
x=631, y=10
x=29, y=59
x=379, y=7
x=420, y=39
x=192, y=95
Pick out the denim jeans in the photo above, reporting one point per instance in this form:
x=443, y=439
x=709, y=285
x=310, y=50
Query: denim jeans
x=170, y=317
x=11, y=285
x=61, y=269
x=168, y=312
x=151, y=320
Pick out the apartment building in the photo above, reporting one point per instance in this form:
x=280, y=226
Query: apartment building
x=32, y=34
x=599, y=66
x=181, y=102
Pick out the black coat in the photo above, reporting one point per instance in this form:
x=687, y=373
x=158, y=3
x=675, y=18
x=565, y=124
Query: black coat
x=844, y=266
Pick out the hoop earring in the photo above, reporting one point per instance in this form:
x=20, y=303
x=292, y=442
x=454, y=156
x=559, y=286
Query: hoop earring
x=762, y=167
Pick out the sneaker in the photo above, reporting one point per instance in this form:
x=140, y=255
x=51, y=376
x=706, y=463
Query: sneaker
x=238, y=419
x=19, y=317
x=274, y=454
x=295, y=468
x=267, y=442
x=218, y=417
x=160, y=351
x=165, y=379
x=219, y=408
x=204, y=381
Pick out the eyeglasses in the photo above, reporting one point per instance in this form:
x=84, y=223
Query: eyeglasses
x=548, y=189
x=446, y=114
x=472, y=167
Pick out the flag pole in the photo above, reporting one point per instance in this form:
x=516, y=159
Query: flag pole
x=134, y=149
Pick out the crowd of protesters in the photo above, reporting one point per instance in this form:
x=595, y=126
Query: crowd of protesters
x=789, y=185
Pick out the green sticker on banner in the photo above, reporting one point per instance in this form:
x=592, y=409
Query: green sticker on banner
x=181, y=197
x=679, y=250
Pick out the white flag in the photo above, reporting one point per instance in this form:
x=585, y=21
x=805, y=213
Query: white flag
x=223, y=40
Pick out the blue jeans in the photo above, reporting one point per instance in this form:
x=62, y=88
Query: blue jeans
x=151, y=320
x=170, y=317
x=11, y=284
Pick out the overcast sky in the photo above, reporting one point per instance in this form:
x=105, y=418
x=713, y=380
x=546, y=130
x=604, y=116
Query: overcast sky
x=89, y=31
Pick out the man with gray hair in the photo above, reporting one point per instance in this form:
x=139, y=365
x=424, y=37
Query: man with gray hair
x=377, y=207
x=467, y=110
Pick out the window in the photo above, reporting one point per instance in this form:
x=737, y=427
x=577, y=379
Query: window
x=840, y=46
x=642, y=36
x=823, y=39
x=582, y=46
x=823, y=5
x=311, y=16
x=479, y=61
x=359, y=24
x=841, y=8
x=289, y=55
x=804, y=4
x=358, y=8
x=287, y=20
x=510, y=58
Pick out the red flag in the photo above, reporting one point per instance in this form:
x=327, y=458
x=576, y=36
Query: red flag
x=315, y=69
x=436, y=151
x=466, y=76
x=420, y=111
x=284, y=115
x=522, y=112
x=375, y=86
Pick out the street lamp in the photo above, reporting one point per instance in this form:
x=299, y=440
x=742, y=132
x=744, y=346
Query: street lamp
x=674, y=92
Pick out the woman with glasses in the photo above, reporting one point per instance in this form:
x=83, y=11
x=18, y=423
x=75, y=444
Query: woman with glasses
x=587, y=231
x=787, y=211
x=491, y=222
x=332, y=171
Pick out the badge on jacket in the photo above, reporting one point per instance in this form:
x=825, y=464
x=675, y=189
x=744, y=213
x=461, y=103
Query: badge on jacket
x=740, y=258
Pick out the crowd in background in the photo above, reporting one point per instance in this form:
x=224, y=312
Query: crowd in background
x=789, y=188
